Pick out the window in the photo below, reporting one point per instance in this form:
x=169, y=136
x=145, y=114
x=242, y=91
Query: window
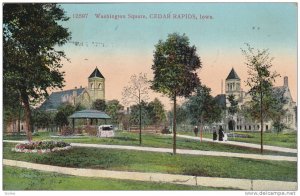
x=267, y=127
x=100, y=86
x=92, y=85
x=245, y=127
x=249, y=127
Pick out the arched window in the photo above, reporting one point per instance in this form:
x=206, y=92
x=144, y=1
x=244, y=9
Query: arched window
x=92, y=85
x=100, y=86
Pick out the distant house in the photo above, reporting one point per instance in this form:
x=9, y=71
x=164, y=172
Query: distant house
x=85, y=96
x=239, y=122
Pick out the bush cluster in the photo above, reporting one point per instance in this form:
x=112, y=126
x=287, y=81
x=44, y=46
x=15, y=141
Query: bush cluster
x=40, y=145
x=66, y=131
x=91, y=131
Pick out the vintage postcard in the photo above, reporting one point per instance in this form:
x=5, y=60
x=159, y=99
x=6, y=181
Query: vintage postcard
x=150, y=96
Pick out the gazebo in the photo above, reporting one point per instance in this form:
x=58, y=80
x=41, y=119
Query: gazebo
x=88, y=114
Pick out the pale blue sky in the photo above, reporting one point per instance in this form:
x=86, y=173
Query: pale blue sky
x=232, y=25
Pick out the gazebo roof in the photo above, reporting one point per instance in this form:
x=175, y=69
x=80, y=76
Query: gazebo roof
x=90, y=114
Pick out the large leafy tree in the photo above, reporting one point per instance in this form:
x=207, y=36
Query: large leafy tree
x=182, y=116
x=278, y=111
x=233, y=108
x=203, y=108
x=260, y=81
x=31, y=59
x=113, y=108
x=13, y=110
x=136, y=92
x=174, y=65
x=135, y=114
x=156, y=112
x=42, y=119
x=63, y=112
x=99, y=104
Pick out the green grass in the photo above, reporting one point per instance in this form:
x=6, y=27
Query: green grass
x=124, y=160
x=15, y=178
x=162, y=141
x=288, y=140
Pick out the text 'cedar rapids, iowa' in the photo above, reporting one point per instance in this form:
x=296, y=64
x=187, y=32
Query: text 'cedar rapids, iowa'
x=143, y=16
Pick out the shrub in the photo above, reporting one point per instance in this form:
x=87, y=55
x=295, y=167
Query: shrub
x=78, y=130
x=92, y=131
x=66, y=131
x=165, y=131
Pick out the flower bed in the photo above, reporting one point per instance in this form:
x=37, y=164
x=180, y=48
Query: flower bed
x=41, y=147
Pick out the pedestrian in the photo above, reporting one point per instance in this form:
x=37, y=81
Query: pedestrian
x=215, y=135
x=196, y=130
x=221, y=133
x=225, y=136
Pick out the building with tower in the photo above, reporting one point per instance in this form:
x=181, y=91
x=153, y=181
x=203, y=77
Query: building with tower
x=84, y=96
x=238, y=122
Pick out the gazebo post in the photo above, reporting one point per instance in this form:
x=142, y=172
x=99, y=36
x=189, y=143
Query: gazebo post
x=73, y=124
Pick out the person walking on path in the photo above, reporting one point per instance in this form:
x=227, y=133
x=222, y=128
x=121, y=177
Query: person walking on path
x=221, y=133
x=196, y=130
x=215, y=135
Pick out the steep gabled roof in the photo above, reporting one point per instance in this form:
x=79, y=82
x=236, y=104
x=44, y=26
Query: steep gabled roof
x=96, y=73
x=282, y=92
x=55, y=99
x=221, y=100
x=232, y=75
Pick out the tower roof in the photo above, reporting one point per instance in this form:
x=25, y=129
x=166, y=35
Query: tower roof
x=96, y=73
x=232, y=75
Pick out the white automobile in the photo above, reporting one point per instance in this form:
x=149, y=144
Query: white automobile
x=106, y=131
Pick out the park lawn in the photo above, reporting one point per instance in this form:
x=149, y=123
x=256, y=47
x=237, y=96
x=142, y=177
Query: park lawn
x=15, y=178
x=159, y=141
x=288, y=140
x=125, y=160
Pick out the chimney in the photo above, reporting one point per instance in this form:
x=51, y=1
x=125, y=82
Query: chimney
x=75, y=87
x=286, y=81
x=80, y=86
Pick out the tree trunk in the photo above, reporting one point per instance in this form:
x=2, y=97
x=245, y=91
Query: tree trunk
x=261, y=122
x=140, y=126
x=19, y=121
x=174, y=127
x=28, y=120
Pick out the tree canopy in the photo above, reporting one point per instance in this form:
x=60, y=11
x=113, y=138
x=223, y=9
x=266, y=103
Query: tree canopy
x=260, y=80
x=31, y=59
x=233, y=108
x=174, y=66
x=202, y=107
x=137, y=92
x=99, y=104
